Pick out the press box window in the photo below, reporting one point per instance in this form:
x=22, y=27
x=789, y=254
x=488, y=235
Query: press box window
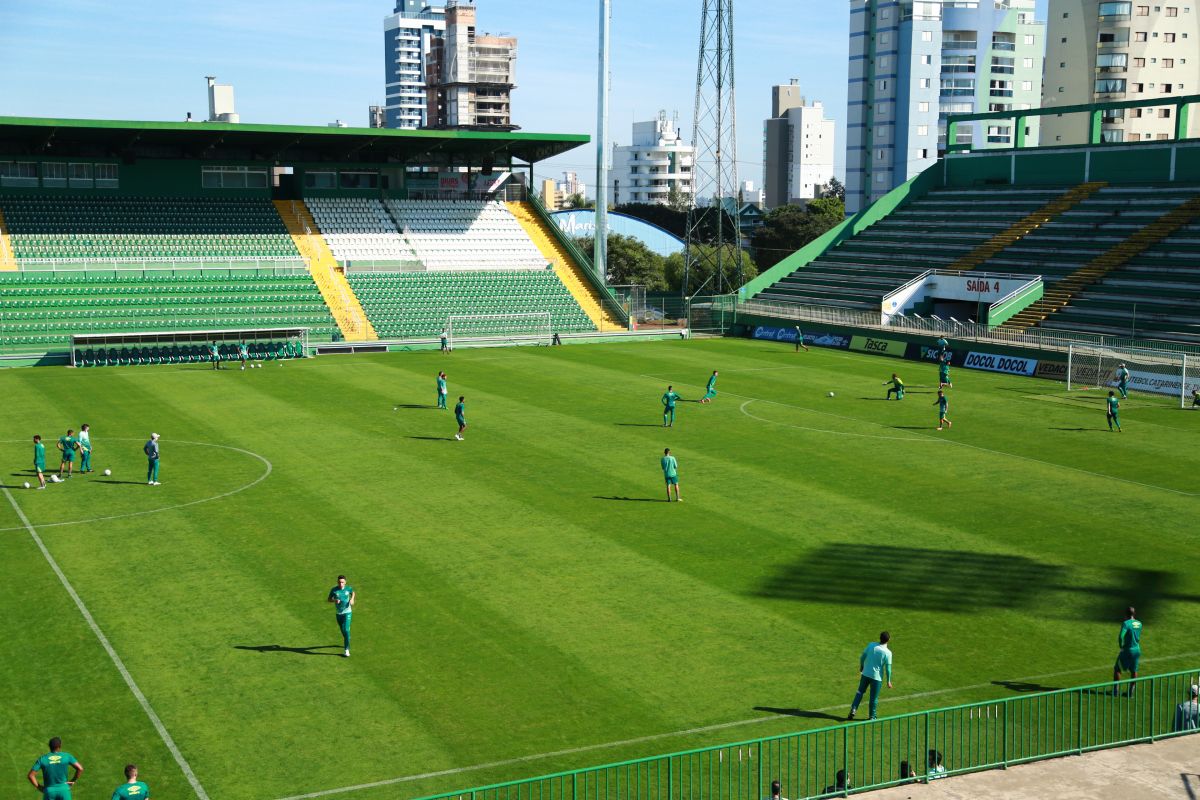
x=18, y=174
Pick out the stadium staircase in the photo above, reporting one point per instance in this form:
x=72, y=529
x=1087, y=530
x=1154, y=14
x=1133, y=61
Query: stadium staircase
x=417, y=304
x=8, y=261
x=1026, y=225
x=569, y=272
x=351, y=319
x=1062, y=292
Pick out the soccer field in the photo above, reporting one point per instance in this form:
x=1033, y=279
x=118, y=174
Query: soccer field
x=526, y=601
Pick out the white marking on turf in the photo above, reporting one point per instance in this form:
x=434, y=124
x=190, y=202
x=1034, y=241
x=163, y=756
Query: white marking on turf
x=266, y=474
x=917, y=439
x=108, y=648
x=688, y=732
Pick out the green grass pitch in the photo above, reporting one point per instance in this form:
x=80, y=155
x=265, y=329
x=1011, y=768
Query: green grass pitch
x=527, y=592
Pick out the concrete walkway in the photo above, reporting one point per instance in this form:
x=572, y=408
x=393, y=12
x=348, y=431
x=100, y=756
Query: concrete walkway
x=1169, y=769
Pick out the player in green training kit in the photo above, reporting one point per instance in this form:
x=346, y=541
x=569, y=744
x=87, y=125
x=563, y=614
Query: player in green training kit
x=1129, y=639
x=243, y=355
x=342, y=596
x=67, y=445
x=54, y=766
x=1114, y=411
x=150, y=448
x=214, y=355
x=800, y=340
x=132, y=788
x=710, y=391
x=943, y=404
x=39, y=461
x=897, y=387
x=874, y=667
x=669, y=400
x=460, y=416
x=1123, y=381
x=944, y=373
x=441, y=390
x=670, y=468
x=85, y=448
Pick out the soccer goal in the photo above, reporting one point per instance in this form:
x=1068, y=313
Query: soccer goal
x=1156, y=372
x=499, y=330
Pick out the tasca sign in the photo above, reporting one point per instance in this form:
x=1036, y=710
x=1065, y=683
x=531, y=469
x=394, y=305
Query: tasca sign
x=883, y=347
x=996, y=363
x=983, y=288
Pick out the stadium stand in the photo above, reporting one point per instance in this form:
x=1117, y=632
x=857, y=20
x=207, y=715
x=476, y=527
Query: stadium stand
x=109, y=228
x=359, y=229
x=464, y=234
x=417, y=304
x=8, y=260
x=44, y=308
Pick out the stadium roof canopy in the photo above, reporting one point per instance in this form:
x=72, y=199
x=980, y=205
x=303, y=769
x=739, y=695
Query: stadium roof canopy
x=283, y=144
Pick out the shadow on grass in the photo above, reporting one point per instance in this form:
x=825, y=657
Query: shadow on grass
x=799, y=712
x=304, y=651
x=1024, y=687
x=118, y=483
x=640, y=424
x=416, y=405
x=1080, y=430
x=432, y=438
x=911, y=427
x=631, y=499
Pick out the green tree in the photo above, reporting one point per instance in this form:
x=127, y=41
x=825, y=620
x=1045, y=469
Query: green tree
x=835, y=189
x=577, y=200
x=677, y=200
x=631, y=262
x=702, y=275
x=788, y=228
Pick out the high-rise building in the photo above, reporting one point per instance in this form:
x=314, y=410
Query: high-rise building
x=550, y=196
x=1101, y=51
x=469, y=76
x=913, y=62
x=406, y=37
x=570, y=184
x=798, y=148
x=657, y=163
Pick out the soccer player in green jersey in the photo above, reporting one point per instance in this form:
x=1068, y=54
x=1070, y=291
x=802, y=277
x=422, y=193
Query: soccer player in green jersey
x=243, y=354
x=67, y=445
x=1123, y=381
x=85, y=448
x=874, y=666
x=39, y=461
x=54, y=766
x=342, y=596
x=151, y=451
x=897, y=387
x=1129, y=639
x=670, y=468
x=710, y=391
x=441, y=390
x=800, y=340
x=1195, y=398
x=460, y=416
x=669, y=400
x=944, y=373
x=1114, y=411
x=132, y=788
x=943, y=404
x=445, y=341
x=214, y=355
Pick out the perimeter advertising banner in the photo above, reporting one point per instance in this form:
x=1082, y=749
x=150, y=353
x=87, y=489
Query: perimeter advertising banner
x=811, y=338
x=882, y=347
x=1012, y=365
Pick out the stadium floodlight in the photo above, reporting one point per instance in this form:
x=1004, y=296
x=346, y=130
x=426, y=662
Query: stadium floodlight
x=1153, y=371
x=499, y=330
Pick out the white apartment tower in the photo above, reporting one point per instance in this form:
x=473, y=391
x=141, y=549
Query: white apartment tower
x=1137, y=50
x=407, y=35
x=912, y=62
x=798, y=148
x=656, y=162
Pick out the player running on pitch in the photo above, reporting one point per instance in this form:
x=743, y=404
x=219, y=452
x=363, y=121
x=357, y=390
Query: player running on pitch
x=1122, y=376
x=39, y=461
x=342, y=596
x=800, y=340
x=710, y=391
x=1114, y=411
x=441, y=390
x=460, y=416
x=897, y=387
x=1129, y=639
x=944, y=373
x=943, y=404
x=67, y=445
x=669, y=400
x=54, y=766
x=670, y=468
x=132, y=788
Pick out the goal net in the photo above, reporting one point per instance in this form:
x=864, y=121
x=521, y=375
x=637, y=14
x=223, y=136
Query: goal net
x=1154, y=372
x=498, y=330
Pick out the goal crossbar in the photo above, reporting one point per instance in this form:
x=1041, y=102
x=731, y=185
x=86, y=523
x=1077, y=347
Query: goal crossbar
x=497, y=330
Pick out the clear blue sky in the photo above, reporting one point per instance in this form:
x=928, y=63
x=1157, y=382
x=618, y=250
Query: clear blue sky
x=314, y=61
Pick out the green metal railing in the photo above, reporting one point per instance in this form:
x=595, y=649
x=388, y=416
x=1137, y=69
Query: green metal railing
x=861, y=756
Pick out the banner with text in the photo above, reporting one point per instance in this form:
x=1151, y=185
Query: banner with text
x=883, y=347
x=997, y=363
x=811, y=338
x=976, y=288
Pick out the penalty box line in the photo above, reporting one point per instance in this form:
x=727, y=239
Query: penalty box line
x=689, y=732
x=112, y=653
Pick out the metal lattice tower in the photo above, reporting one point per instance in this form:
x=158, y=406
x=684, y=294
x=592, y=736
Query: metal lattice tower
x=714, y=137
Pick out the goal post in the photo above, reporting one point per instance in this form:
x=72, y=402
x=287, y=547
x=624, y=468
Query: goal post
x=1152, y=371
x=499, y=330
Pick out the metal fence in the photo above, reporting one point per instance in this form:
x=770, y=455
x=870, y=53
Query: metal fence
x=873, y=754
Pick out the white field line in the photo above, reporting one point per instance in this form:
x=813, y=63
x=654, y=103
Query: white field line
x=112, y=654
x=688, y=732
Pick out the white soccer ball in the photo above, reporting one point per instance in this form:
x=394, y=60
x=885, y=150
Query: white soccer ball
x=55, y=479
x=26, y=484
x=831, y=394
x=107, y=472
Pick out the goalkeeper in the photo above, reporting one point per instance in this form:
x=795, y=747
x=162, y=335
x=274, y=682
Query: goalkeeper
x=1123, y=381
x=1195, y=398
